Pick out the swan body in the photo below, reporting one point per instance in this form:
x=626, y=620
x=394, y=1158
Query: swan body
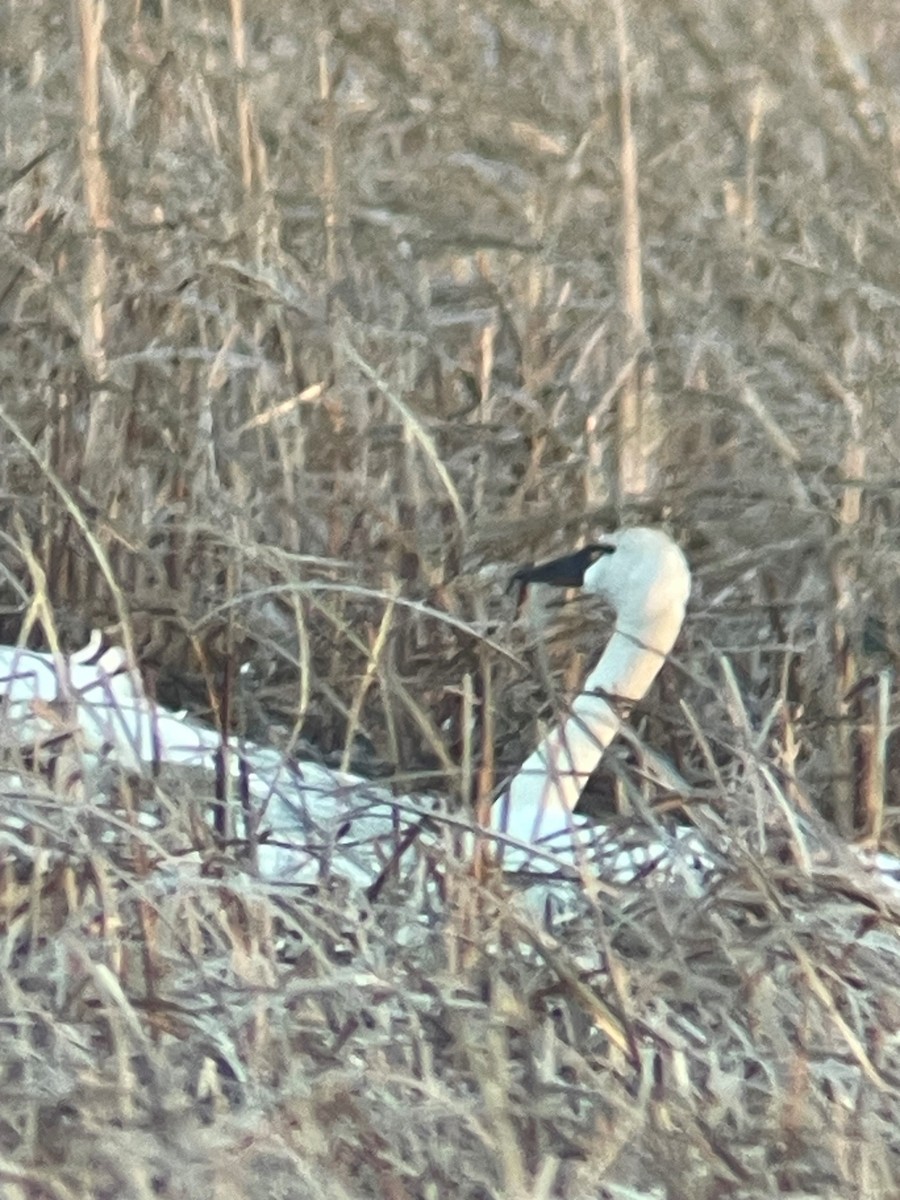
x=308, y=820
x=96, y=699
x=307, y=823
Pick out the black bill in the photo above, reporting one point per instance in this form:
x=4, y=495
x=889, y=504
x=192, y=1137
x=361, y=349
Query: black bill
x=567, y=571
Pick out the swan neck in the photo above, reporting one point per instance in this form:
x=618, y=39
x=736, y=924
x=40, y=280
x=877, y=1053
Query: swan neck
x=541, y=798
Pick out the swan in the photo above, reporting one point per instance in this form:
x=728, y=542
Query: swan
x=305, y=823
x=308, y=821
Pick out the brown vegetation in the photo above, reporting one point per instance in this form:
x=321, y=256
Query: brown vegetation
x=316, y=319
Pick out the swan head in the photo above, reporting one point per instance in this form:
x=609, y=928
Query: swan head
x=641, y=572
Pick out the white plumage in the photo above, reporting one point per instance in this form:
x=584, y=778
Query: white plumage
x=307, y=822
x=645, y=577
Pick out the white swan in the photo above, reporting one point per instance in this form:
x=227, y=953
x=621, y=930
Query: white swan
x=309, y=821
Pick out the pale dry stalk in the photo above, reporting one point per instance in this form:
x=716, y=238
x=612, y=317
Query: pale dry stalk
x=329, y=160
x=239, y=53
x=90, y=16
x=638, y=402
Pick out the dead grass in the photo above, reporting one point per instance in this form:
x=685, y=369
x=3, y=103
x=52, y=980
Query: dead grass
x=317, y=319
x=181, y=1031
